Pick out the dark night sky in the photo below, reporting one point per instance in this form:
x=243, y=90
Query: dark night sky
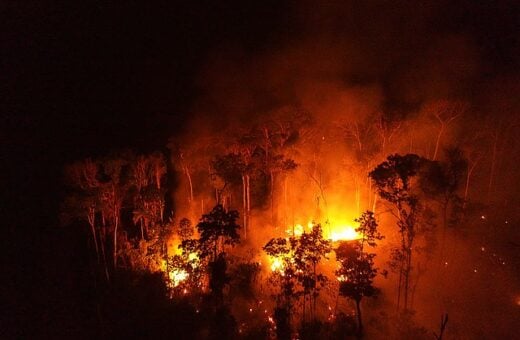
x=81, y=78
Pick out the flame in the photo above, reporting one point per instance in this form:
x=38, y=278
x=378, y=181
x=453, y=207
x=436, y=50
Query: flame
x=276, y=264
x=177, y=276
x=344, y=233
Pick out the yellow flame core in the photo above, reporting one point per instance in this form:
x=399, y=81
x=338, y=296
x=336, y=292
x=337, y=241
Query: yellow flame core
x=276, y=264
x=344, y=233
x=177, y=276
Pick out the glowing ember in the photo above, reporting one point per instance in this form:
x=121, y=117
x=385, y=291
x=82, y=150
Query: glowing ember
x=342, y=278
x=345, y=233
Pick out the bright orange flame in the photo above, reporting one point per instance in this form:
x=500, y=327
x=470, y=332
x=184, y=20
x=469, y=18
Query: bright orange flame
x=177, y=276
x=276, y=264
x=344, y=233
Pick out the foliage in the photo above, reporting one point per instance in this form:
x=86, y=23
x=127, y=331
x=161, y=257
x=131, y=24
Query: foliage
x=298, y=275
x=186, y=229
x=217, y=229
x=357, y=271
x=244, y=276
x=394, y=181
x=368, y=229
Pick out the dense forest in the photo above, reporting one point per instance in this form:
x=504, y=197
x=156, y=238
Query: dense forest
x=296, y=225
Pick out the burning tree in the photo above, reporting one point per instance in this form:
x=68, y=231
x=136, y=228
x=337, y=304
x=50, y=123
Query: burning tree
x=357, y=271
x=185, y=271
x=312, y=247
x=295, y=261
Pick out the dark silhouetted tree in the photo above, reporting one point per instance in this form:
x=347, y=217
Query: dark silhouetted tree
x=357, y=271
x=394, y=180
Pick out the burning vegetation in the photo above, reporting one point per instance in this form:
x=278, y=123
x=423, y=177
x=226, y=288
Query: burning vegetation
x=271, y=227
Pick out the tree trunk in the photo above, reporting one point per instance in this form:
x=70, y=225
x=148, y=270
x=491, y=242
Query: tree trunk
x=91, y=221
x=116, y=225
x=190, y=183
x=244, y=205
x=407, y=272
x=271, y=175
x=468, y=177
x=248, y=191
x=492, y=170
x=399, y=286
x=374, y=204
x=360, y=322
x=438, y=142
x=102, y=237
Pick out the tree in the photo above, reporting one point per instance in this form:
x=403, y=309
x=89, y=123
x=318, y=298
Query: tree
x=296, y=273
x=114, y=189
x=394, y=182
x=357, y=271
x=230, y=168
x=185, y=271
x=441, y=179
x=185, y=230
x=445, y=112
x=282, y=251
x=84, y=202
x=217, y=229
x=311, y=248
x=356, y=274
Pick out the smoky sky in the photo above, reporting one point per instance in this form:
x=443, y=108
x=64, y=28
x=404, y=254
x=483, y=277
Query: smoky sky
x=80, y=79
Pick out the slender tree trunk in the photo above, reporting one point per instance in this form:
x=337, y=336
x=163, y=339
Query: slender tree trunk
x=407, y=276
x=359, y=318
x=248, y=185
x=91, y=221
x=102, y=237
x=271, y=175
x=244, y=205
x=190, y=183
x=358, y=196
x=285, y=200
x=468, y=177
x=399, y=286
x=438, y=142
x=493, y=164
x=116, y=225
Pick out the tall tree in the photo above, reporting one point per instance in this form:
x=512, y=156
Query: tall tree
x=444, y=112
x=357, y=271
x=114, y=189
x=217, y=229
x=394, y=181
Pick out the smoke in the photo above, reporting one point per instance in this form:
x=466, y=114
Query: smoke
x=348, y=66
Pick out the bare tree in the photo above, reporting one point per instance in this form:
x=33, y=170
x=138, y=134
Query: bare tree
x=445, y=112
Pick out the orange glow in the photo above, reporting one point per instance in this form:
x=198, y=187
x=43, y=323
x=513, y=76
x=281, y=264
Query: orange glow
x=276, y=264
x=177, y=276
x=344, y=233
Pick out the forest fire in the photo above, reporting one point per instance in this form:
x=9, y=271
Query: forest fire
x=261, y=170
x=248, y=194
x=344, y=233
x=177, y=276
